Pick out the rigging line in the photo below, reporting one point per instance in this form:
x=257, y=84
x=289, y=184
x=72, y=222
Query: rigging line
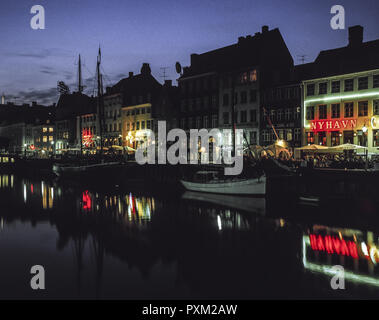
x=106, y=76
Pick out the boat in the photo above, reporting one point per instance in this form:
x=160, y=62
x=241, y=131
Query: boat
x=248, y=204
x=71, y=170
x=210, y=182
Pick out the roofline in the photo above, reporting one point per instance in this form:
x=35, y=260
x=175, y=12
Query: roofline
x=373, y=71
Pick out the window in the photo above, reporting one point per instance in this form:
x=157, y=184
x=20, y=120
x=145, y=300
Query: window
x=253, y=95
x=51, y=129
x=310, y=138
x=253, y=115
x=205, y=122
x=137, y=125
x=288, y=114
x=198, y=122
x=322, y=87
x=310, y=115
x=253, y=75
x=266, y=136
x=336, y=110
x=362, y=138
x=253, y=137
x=244, y=77
x=51, y=138
x=297, y=134
x=225, y=117
x=362, y=108
x=215, y=121
x=142, y=125
x=322, y=138
x=243, y=116
x=375, y=138
x=336, y=86
x=148, y=124
x=362, y=83
x=375, y=81
x=348, y=136
x=243, y=97
x=44, y=139
x=273, y=115
x=225, y=100
x=336, y=137
x=349, y=84
x=44, y=130
x=349, y=109
x=310, y=89
x=375, y=108
x=279, y=115
x=288, y=135
x=322, y=113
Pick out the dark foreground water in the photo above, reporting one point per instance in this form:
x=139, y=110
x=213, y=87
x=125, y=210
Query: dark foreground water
x=129, y=244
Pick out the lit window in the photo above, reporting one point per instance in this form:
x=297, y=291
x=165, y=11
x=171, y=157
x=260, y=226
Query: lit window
x=362, y=109
x=253, y=75
x=44, y=138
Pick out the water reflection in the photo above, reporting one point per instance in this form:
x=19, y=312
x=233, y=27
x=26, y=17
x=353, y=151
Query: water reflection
x=356, y=251
x=125, y=244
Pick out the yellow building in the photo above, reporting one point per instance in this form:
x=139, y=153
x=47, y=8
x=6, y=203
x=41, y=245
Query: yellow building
x=136, y=120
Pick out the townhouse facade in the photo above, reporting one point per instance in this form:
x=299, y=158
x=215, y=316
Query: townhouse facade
x=341, y=98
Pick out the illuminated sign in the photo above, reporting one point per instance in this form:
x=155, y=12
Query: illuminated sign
x=332, y=244
x=333, y=125
x=87, y=202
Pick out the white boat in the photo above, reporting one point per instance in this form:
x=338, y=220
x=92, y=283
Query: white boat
x=249, y=204
x=208, y=181
x=71, y=169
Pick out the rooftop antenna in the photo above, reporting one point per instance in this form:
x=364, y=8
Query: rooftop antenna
x=301, y=57
x=3, y=99
x=164, y=76
x=80, y=86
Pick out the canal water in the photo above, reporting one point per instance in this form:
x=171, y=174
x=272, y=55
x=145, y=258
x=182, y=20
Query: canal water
x=125, y=243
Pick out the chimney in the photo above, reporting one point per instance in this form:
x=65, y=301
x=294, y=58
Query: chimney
x=145, y=70
x=194, y=58
x=264, y=29
x=355, y=36
x=34, y=103
x=130, y=74
x=168, y=83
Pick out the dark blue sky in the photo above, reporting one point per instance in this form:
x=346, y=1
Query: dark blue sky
x=160, y=32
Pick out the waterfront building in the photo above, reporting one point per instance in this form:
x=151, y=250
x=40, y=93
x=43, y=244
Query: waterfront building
x=130, y=108
x=224, y=86
x=88, y=128
x=18, y=127
x=341, y=97
x=70, y=108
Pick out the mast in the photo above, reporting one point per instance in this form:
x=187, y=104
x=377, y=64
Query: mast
x=80, y=89
x=100, y=107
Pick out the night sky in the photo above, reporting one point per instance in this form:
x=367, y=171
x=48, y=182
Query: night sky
x=156, y=31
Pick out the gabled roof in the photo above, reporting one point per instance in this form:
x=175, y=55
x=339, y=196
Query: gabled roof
x=349, y=59
x=74, y=104
x=267, y=48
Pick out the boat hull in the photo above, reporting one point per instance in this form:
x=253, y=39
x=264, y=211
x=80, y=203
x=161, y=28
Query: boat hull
x=243, y=187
